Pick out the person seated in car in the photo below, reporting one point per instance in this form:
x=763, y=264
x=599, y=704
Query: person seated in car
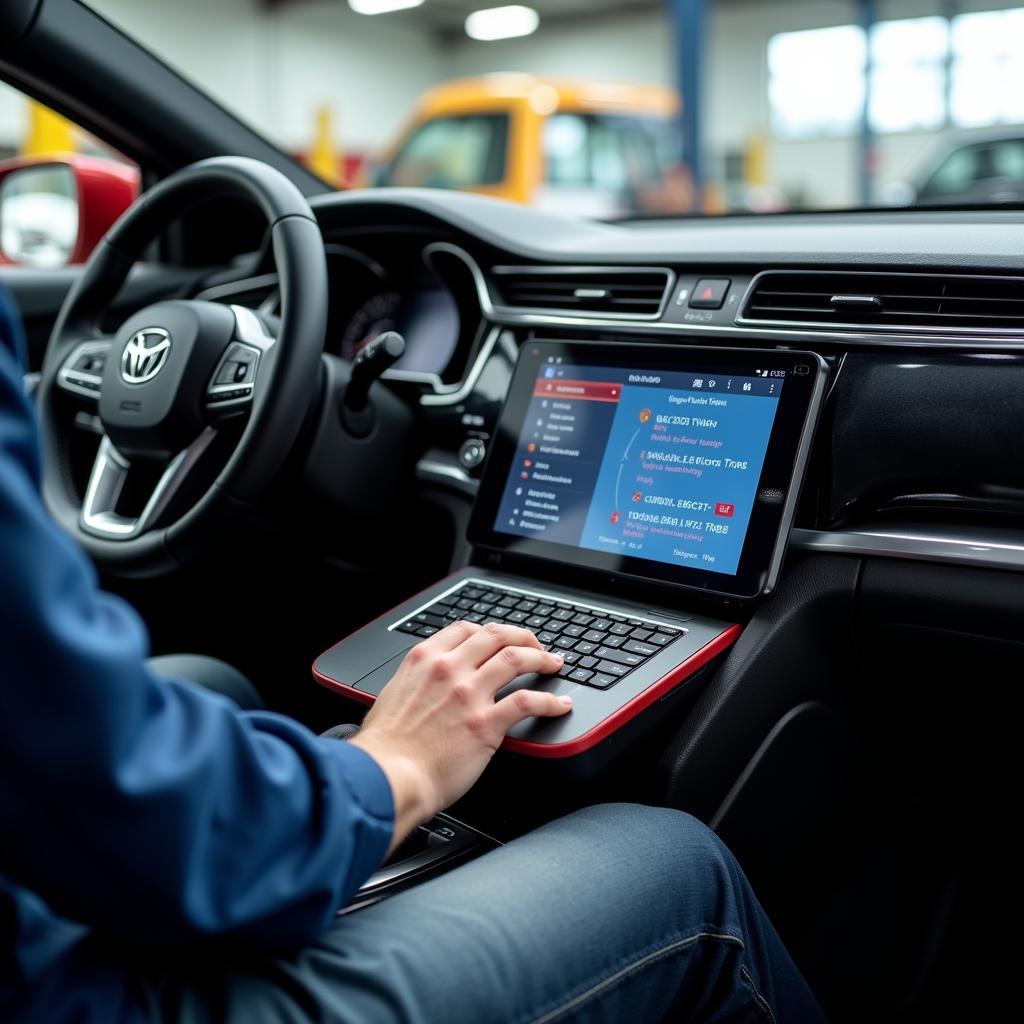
x=168, y=856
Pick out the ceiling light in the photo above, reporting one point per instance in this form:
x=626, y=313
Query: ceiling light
x=502, y=22
x=382, y=6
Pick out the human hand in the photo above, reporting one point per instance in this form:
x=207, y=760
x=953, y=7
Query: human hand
x=436, y=725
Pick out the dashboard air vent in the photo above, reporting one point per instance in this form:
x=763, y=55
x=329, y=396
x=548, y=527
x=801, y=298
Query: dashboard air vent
x=939, y=302
x=630, y=293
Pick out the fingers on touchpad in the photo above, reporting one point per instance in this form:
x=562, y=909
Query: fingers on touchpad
x=533, y=681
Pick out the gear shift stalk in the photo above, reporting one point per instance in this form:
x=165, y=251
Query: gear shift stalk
x=379, y=355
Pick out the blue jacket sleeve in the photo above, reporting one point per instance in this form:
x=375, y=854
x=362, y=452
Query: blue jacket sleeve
x=145, y=807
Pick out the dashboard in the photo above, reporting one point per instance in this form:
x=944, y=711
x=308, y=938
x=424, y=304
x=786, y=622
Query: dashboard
x=918, y=316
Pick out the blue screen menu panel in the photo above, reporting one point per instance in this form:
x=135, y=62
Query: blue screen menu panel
x=646, y=464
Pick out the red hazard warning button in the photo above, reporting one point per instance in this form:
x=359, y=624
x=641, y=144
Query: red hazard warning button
x=709, y=293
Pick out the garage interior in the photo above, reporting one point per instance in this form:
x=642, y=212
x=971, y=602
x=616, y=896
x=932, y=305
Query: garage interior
x=796, y=104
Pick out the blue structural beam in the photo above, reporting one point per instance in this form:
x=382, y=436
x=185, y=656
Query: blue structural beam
x=866, y=156
x=689, y=22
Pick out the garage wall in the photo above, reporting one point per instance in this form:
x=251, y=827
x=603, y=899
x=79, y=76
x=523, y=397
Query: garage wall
x=275, y=68
x=632, y=47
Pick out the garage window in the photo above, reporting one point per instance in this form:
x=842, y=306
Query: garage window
x=988, y=69
x=816, y=78
x=452, y=152
x=908, y=74
x=816, y=81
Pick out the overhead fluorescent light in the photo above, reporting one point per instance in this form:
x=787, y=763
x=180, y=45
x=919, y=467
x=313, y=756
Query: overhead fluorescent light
x=502, y=23
x=382, y=6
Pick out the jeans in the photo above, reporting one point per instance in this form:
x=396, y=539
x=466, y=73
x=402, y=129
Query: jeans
x=614, y=913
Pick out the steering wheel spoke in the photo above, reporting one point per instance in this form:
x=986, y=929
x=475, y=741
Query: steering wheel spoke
x=109, y=479
x=81, y=373
x=233, y=384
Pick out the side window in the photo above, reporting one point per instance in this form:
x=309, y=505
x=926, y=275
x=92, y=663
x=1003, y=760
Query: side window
x=955, y=173
x=1008, y=159
x=567, y=150
x=452, y=152
x=60, y=188
x=585, y=151
x=608, y=154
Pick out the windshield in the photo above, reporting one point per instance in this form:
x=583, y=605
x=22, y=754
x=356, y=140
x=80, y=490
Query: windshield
x=616, y=109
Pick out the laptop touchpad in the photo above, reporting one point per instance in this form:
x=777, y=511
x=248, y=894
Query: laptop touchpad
x=375, y=681
x=532, y=681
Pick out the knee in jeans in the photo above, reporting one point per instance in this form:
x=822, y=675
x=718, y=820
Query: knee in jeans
x=677, y=837
x=700, y=842
x=660, y=824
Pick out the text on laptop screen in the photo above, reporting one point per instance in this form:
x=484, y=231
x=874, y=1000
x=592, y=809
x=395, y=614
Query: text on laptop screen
x=645, y=464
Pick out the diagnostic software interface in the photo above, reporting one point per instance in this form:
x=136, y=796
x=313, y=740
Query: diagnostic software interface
x=662, y=465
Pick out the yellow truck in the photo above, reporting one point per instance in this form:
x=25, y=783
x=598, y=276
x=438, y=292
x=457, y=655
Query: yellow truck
x=597, y=149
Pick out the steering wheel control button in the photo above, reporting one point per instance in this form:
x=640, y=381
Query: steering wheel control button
x=709, y=293
x=226, y=374
x=90, y=362
x=82, y=372
x=472, y=453
x=234, y=377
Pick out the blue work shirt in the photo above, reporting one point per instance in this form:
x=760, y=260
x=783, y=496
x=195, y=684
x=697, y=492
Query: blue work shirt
x=135, y=811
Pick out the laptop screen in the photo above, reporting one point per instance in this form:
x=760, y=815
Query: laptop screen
x=651, y=461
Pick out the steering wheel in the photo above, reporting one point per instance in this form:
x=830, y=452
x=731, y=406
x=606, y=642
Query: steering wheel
x=180, y=380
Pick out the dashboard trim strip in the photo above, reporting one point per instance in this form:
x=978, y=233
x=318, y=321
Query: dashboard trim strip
x=745, y=335
x=970, y=547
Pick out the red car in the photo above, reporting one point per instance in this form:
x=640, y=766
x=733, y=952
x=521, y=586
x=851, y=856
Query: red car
x=56, y=208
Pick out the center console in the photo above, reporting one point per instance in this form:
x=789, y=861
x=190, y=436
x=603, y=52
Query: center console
x=434, y=847
x=635, y=501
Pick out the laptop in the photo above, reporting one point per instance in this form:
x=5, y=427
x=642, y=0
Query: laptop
x=629, y=489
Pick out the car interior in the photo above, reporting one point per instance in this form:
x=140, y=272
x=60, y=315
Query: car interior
x=330, y=463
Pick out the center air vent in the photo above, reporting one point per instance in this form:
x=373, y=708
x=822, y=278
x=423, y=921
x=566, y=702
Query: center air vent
x=630, y=293
x=938, y=302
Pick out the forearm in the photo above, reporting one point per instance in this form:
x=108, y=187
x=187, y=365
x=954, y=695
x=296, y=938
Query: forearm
x=411, y=793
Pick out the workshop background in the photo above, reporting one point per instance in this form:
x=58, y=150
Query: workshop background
x=649, y=106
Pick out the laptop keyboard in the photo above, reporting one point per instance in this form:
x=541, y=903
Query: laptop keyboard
x=600, y=647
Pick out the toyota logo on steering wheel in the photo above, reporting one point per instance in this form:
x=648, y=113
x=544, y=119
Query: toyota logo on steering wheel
x=145, y=355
